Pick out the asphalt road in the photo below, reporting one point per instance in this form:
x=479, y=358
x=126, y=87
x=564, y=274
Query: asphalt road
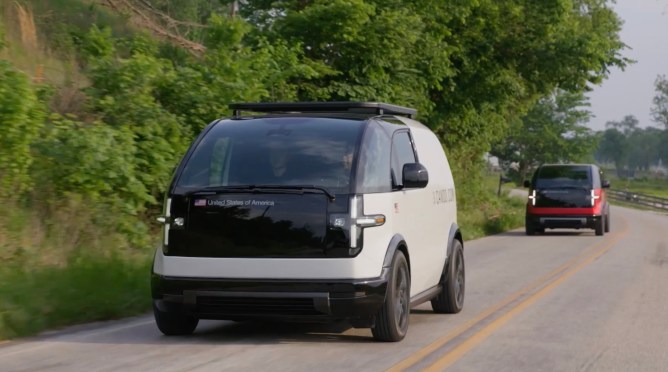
x=564, y=301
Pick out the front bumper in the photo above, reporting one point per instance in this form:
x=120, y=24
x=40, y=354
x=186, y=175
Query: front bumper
x=563, y=221
x=291, y=300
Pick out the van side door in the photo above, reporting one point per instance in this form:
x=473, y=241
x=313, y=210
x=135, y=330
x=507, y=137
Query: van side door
x=412, y=211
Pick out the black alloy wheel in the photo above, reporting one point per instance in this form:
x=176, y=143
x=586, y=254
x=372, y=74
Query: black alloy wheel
x=392, y=318
x=451, y=298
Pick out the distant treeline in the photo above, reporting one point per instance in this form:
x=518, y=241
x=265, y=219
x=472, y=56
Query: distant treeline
x=631, y=148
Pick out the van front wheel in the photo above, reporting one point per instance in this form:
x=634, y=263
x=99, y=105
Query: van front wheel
x=392, y=318
x=174, y=324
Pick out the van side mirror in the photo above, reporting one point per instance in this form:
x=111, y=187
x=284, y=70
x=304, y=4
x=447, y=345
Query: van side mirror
x=415, y=175
x=527, y=183
x=605, y=184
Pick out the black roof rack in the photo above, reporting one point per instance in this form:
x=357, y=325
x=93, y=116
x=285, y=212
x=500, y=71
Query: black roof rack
x=371, y=108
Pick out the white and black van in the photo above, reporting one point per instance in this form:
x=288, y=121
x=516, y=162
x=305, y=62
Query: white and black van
x=310, y=212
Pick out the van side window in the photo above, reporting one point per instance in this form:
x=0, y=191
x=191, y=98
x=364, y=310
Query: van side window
x=374, y=165
x=402, y=153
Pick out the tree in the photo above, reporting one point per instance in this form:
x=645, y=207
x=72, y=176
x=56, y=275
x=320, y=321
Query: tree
x=643, y=150
x=470, y=67
x=552, y=131
x=660, y=102
x=663, y=147
x=660, y=115
x=627, y=126
x=613, y=147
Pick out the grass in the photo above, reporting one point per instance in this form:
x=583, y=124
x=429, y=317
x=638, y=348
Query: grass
x=60, y=267
x=491, y=214
x=644, y=182
x=655, y=187
x=88, y=289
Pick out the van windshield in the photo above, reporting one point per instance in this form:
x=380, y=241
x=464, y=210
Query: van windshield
x=563, y=177
x=275, y=151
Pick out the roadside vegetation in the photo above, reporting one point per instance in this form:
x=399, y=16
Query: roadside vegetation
x=100, y=98
x=491, y=213
x=643, y=183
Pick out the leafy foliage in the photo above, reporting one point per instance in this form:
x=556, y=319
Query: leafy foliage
x=471, y=68
x=554, y=130
x=123, y=94
x=21, y=117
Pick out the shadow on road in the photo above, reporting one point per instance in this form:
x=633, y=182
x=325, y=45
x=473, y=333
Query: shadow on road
x=278, y=332
x=209, y=332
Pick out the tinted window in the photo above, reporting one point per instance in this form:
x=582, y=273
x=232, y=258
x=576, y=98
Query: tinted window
x=374, y=169
x=402, y=153
x=275, y=151
x=563, y=176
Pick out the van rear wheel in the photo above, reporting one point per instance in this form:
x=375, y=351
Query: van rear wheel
x=599, y=226
x=392, y=318
x=451, y=298
x=529, y=227
x=607, y=222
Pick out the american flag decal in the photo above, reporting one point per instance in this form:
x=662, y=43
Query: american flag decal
x=200, y=202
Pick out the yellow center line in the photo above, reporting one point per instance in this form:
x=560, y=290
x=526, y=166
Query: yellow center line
x=461, y=349
x=440, y=342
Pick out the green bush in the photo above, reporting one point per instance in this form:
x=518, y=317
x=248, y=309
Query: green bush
x=21, y=117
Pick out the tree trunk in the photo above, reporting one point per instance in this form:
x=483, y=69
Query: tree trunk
x=522, y=169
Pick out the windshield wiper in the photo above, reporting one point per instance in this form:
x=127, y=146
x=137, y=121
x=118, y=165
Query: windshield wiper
x=263, y=188
x=329, y=195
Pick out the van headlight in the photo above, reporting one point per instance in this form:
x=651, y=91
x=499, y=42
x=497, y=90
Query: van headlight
x=355, y=222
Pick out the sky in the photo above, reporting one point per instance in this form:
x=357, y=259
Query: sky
x=630, y=92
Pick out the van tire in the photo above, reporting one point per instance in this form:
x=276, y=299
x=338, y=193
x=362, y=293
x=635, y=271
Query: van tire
x=599, y=226
x=451, y=298
x=392, y=318
x=607, y=222
x=529, y=228
x=173, y=323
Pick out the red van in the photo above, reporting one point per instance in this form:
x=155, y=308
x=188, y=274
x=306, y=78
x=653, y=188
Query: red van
x=567, y=196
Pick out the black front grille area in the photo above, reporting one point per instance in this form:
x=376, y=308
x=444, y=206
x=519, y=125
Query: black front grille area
x=256, y=306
